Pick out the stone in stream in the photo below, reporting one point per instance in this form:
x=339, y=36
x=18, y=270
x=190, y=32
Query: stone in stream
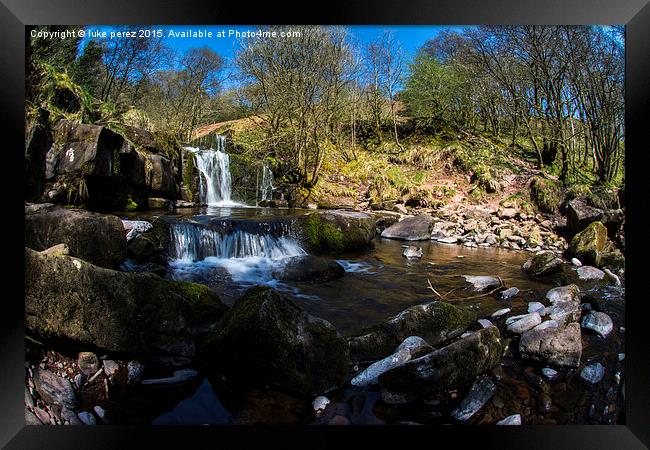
x=179, y=376
x=590, y=273
x=500, y=312
x=54, y=389
x=100, y=413
x=549, y=373
x=111, y=368
x=80, y=379
x=543, y=264
x=337, y=231
x=87, y=418
x=576, y=262
x=452, y=365
x=524, y=323
x=412, y=346
x=536, y=307
x=480, y=393
x=448, y=239
x=135, y=227
x=70, y=416
x=613, y=278
x=416, y=228
x=411, y=252
x=563, y=294
x=320, y=403
x=547, y=324
x=309, y=268
x=558, y=346
x=565, y=304
x=435, y=322
x=509, y=293
x=481, y=282
x=96, y=238
x=599, y=322
x=589, y=244
x=485, y=323
x=515, y=419
x=267, y=339
x=593, y=373
x=88, y=363
x=68, y=298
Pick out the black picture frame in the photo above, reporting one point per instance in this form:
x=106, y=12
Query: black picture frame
x=635, y=14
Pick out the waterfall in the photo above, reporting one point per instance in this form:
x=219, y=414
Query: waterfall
x=266, y=188
x=191, y=242
x=215, y=184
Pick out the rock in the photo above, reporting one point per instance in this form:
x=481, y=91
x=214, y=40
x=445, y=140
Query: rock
x=67, y=298
x=564, y=312
x=435, y=322
x=54, y=389
x=135, y=371
x=265, y=338
x=588, y=245
x=507, y=213
x=159, y=176
x=481, y=283
x=599, y=322
x=87, y=418
x=593, y=373
x=96, y=238
x=179, y=376
x=320, y=403
x=590, y=273
x=501, y=312
x=80, y=379
x=485, y=323
x=29, y=401
x=515, y=419
x=580, y=215
x=400, y=209
x=70, y=416
x=111, y=368
x=547, y=324
x=536, y=307
x=568, y=293
x=543, y=264
x=448, y=240
x=101, y=413
x=509, y=293
x=88, y=363
x=159, y=203
x=455, y=364
x=576, y=262
x=613, y=278
x=416, y=228
x=411, y=347
x=135, y=227
x=35, y=417
x=559, y=346
x=412, y=252
x=549, y=373
x=480, y=393
x=309, y=268
x=57, y=250
x=337, y=231
x=525, y=323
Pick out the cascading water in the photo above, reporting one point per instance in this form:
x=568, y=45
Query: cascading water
x=215, y=183
x=248, y=258
x=266, y=188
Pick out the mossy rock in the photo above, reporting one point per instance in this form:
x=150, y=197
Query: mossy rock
x=545, y=194
x=435, y=322
x=268, y=339
x=543, y=265
x=588, y=245
x=70, y=299
x=337, y=231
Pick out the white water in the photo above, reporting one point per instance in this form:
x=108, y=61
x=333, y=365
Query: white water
x=247, y=257
x=266, y=188
x=215, y=182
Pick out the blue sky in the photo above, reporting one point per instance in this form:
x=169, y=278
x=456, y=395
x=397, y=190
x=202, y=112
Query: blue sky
x=410, y=37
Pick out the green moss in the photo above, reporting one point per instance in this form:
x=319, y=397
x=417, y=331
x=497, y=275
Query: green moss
x=323, y=235
x=131, y=205
x=545, y=194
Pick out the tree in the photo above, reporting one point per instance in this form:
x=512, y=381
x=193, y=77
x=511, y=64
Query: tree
x=88, y=68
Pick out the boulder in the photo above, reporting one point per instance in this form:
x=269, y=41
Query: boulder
x=543, y=264
x=416, y=228
x=580, y=215
x=435, y=322
x=159, y=177
x=54, y=389
x=266, y=338
x=96, y=238
x=453, y=365
x=587, y=273
x=593, y=373
x=559, y=346
x=588, y=245
x=71, y=299
x=337, y=231
x=599, y=322
x=309, y=268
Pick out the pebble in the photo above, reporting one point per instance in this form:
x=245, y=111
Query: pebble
x=576, y=262
x=87, y=418
x=79, y=380
x=593, y=373
x=613, y=277
x=482, y=282
x=509, y=293
x=549, y=373
x=501, y=312
x=590, y=273
x=599, y=322
x=412, y=252
x=88, y=363
x=515, y=419
x=547, y=324
x=110, y=367
x=621, y=356
x=320, y=403
x=101, y=413
x=525, y=323
x=480, y=393
x=70, y=417
x=536, y=307
x=485, y=323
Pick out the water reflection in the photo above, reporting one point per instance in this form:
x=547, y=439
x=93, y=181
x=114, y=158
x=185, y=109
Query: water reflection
x=201, y=408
